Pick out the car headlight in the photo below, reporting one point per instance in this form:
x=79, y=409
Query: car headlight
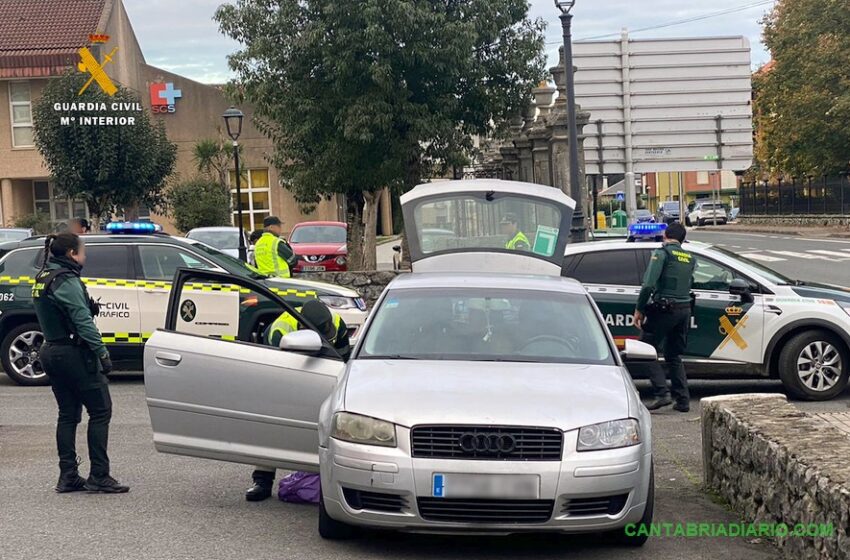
x=340, y=260
x=609, y=435
x=363, y=429
x=339, y=302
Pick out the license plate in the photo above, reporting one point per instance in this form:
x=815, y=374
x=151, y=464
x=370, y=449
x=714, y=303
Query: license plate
x=513, y=486
x=313, y=268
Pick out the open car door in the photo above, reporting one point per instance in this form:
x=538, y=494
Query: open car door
x=214, y=390
x=487, y=225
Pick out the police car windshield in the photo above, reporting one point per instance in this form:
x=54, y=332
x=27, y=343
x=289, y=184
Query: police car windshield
x=225, y=261
x=746, y=265
x=477, y=324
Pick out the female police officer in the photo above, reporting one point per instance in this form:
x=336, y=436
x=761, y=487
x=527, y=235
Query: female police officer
x=75, y=359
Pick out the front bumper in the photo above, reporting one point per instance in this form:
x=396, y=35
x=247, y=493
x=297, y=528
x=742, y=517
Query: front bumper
x=578, y=476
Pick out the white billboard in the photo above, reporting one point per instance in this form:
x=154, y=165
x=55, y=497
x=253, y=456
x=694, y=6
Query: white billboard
x=665, y=104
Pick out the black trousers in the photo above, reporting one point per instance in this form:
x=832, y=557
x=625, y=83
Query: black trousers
x=77, y=382
x=668, y=332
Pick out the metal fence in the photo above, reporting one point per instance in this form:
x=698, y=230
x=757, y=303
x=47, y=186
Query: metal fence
x=807, y=195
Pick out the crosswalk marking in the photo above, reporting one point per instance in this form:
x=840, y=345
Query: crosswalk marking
x=800, y=255
x=830, y=253
x=761, y=257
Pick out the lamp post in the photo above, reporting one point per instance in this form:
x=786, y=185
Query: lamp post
x=233, y=120
x=578, y=231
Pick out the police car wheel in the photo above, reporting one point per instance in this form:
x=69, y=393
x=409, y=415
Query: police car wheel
x=19, y=355
x=813, y=366
x=330, y=528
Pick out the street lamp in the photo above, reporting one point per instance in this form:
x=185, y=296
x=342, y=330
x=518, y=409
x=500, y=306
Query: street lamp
x=579, y=228
x=233, y=120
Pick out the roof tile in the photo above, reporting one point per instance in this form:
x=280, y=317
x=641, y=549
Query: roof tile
x=39, y=27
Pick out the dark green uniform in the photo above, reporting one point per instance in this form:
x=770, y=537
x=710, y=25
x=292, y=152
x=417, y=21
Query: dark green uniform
x=71, y=357
x=665, y=299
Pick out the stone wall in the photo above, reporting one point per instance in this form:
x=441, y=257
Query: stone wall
x=369, y=284
x=809, y=220
x=776, y=464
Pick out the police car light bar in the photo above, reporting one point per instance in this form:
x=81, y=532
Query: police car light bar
x=133, y=227
x=646, y=231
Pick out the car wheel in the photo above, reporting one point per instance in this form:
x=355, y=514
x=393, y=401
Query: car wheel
x=688, y=221
x=330, y=528
x=620, y=537
x=19, y=355
x=813, y=366
x=700, y=222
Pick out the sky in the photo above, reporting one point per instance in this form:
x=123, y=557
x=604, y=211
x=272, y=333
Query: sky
x=180, y=35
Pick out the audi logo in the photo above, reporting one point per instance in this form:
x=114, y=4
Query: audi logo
x=494, y=442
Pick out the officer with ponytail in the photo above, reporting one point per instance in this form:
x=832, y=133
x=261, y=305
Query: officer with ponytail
x=75, y=359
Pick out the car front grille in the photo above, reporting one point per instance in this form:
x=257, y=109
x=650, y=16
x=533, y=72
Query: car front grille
x=504, y=443
x=602, y=505
x=485, y=511
x=375, y=501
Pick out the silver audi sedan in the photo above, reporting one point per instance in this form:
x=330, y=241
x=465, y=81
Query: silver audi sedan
x=482, y=403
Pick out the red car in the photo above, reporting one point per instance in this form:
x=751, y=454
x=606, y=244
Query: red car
x=320, y=246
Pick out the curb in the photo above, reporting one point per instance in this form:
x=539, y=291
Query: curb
x=814, y=232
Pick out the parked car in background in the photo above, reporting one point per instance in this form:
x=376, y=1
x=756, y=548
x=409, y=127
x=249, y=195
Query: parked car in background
x=708, y=212
x=15, y=234
x=642, y=215
x=224, y=238
x=668, y=212
x=320, y=246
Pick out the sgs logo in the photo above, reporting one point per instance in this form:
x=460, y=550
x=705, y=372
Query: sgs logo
x=164, y=98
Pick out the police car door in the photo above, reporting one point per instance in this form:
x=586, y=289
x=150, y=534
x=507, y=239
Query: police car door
x=233, y=400
x=722, y=326
x=109, y=278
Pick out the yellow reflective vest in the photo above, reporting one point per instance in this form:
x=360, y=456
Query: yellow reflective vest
x=518, y=239
x=286, y=323
x=267, y=256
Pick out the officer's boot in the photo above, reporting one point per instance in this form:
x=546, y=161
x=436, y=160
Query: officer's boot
x=70, y=480
x=660, y=402
x=262, y=487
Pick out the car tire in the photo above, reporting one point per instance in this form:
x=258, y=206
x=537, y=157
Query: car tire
x=700, y=222
x=330, y=528
x=620, y=537
x=16, y=355
x=814, y=349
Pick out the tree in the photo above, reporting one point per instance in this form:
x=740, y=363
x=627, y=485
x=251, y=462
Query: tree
x=213, y=158
x=366, y=94
x=109, y=166
x=199, y=202
x=802, y=103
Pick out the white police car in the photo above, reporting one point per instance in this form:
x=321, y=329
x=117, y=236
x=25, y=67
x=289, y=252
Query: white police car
x=749, y=320
x=130, y=271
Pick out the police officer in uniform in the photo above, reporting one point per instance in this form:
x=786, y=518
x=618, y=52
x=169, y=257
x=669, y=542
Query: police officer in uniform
x=333, y=328
x=665, y=304
x=76, y=361
x=517, y=241
x=272, y=254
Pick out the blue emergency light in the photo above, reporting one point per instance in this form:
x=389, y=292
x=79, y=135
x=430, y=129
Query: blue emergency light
x=133, y=227
x=646, y=231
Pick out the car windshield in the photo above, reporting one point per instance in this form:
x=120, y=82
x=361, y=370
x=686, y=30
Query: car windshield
x=13, y=234
x=671, y=206
x=746, y=265
x=228, y=263
x=642, y=213
x=216, y=238
x=478, y=324
x=318, y=234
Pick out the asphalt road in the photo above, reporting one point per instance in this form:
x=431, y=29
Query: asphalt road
x=182, y=508
x=800, y=258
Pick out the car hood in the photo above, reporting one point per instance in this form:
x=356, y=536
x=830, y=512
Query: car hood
x=823, y=291
x=318, y=248
x=322, y=288
x=411, y=392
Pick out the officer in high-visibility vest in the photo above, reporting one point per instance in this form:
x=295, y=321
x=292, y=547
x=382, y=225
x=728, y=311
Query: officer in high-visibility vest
x=74, y=358
x=334, y=329
x=665, y=303
x=272, y=253
x=517, y=241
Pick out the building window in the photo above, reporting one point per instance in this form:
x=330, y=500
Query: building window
x=20, y=107
x=702, y=177
x=58, y=207
x=256, y=201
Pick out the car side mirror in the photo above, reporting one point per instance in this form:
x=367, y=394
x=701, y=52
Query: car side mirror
x=303, y=342
x=742, y=288
x=637, y=351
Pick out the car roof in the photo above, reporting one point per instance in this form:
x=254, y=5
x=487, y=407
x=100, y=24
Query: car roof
x=320, y=223
x=617, y=244
x=482, y=280
x=215, y=228
x=99, y=238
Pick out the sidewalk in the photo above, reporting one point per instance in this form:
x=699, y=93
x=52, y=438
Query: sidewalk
x=808, y=231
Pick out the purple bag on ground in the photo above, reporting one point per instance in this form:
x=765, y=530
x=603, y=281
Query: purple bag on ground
x=300, y=488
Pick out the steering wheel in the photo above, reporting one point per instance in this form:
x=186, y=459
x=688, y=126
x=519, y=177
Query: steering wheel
x=571, y=344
